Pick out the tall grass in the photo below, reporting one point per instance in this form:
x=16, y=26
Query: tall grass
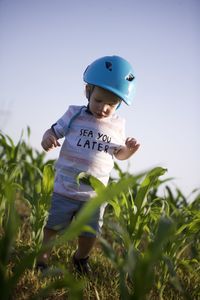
x=156, y=238
x=151, y=241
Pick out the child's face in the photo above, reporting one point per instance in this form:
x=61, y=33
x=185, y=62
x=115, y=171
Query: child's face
x=102, y=103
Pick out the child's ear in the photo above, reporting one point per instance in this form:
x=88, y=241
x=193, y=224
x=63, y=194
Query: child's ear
x=87, y=91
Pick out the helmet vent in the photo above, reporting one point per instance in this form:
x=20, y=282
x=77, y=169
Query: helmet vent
x=130, y=77
x=108, y=65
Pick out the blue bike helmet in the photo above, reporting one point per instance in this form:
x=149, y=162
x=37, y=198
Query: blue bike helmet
x=114, y=74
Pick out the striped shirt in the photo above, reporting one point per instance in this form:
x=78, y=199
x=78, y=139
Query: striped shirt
x=88, y=147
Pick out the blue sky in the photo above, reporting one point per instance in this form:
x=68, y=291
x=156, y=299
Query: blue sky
x=45, y=46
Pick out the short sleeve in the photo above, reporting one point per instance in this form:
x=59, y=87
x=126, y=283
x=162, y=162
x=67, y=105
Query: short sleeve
x=62, y=125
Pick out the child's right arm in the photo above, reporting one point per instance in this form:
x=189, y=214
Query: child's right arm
x=49, y=140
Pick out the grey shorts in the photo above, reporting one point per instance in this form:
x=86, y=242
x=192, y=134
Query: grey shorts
x=64, y=210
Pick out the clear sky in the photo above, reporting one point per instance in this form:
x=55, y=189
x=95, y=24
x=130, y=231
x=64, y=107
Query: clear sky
x=45, y=46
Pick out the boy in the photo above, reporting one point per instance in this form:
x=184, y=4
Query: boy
x=94, y=135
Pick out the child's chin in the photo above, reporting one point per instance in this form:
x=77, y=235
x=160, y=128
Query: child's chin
x=102, y=117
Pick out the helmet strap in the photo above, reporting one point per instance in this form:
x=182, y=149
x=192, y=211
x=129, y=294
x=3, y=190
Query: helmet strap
x=89, y=90
x=118, y=106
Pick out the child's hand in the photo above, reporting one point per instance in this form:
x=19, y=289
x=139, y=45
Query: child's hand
x=49, y=140
x=132, y=145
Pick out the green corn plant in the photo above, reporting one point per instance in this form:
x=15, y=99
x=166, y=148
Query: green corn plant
x=138, y=215
x=183, y=250
x=186, y=215
x=9, y=175
x=9, y=280
x=39, y=202
x=133, y=215
x=29, y=160
x=9, y=230
x=3, y=175
x=133, y=212
x=139, y=268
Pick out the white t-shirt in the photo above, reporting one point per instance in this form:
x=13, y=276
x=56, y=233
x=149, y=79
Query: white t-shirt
x=88, y=147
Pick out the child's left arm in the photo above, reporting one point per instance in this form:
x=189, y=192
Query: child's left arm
x=126, y=151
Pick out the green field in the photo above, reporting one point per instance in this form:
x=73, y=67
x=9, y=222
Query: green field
x=149, y=248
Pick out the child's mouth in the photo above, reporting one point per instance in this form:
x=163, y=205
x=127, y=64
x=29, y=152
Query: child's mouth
x=99, y=115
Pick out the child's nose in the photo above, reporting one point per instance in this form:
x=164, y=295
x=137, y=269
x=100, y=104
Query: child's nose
x=104, y=107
